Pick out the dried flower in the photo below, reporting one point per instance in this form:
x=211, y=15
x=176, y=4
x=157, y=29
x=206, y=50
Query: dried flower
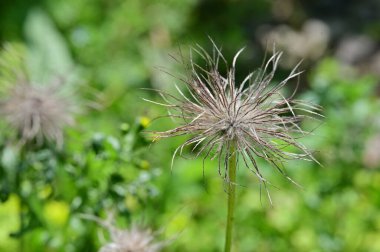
x=132, y=240
x=251, y=115
x=37, y=112
x=135, y=239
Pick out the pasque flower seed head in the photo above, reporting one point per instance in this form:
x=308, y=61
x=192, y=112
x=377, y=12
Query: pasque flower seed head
x=133, y=239
x=252, y=115
x=37, y=113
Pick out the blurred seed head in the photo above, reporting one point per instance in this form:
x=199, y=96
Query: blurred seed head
x=252, y=114
x=134, y=239
x=37, y=113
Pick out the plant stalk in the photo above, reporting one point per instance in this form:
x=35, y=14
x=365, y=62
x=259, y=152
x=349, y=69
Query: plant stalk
x=231, y=187
x=20, y=172
x=21, y=220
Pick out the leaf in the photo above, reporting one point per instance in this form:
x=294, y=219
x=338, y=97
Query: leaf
x=9, y=161
x=48, y=55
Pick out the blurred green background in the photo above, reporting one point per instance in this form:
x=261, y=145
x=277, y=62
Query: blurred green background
x=110, y=49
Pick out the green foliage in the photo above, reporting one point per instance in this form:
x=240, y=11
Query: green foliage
x=106, y=51
x=55, y=187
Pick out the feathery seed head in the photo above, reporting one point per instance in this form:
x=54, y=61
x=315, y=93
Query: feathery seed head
x=252, y=115
x=132, y=240
x=135, y=239
x=37, y=113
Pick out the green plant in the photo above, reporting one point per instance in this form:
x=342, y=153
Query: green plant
x=230, y=120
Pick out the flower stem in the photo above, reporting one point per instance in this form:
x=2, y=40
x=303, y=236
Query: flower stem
x=21, y=220
x=20, y=172
x=231, y=186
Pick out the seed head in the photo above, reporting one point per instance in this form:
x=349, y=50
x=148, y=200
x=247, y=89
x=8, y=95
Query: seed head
x=135, y=239
x=251, y=115
x=37, y=113
x=132, y=240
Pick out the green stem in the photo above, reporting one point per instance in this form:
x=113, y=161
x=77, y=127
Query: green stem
x=21, y=219
x=231, y=187
x=20, y=172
